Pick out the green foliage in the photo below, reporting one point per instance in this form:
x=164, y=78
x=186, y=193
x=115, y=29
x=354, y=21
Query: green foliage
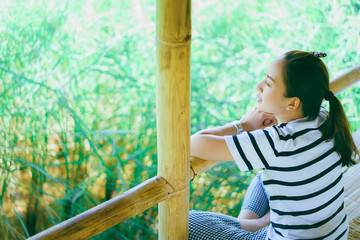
x=77, y=86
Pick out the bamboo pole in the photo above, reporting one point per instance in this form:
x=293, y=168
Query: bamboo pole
x=336, y=85
x=110, y=213
x=173, y=30
x=199, y=166
x=345, y=80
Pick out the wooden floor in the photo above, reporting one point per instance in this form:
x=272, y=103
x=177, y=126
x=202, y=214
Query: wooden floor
x=354, y=233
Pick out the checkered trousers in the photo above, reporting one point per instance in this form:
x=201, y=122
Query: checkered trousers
x=217, y=226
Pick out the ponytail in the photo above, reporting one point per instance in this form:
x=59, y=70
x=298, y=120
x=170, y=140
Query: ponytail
x=337, y=127
x=305, y=76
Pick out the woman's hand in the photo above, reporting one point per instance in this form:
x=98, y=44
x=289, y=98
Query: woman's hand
x=209, y=144
x=255, y=119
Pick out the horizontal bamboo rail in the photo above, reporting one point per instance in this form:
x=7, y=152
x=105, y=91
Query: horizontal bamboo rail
x=345, y=80
x=110, y=213
x=337, y=85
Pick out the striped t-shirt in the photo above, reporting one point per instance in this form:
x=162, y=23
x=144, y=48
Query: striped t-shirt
x=303, y=177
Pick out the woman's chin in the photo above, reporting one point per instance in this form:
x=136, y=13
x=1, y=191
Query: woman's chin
x=259, y=107
x=262, y=109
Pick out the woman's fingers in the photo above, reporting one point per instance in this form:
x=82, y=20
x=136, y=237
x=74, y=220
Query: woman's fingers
x=255, y=119
x=267, y=122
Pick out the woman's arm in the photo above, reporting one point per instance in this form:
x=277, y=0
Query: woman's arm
x=252, y=222
x=209, y=144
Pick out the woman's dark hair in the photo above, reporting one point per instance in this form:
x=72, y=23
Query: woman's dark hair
x=306, y=77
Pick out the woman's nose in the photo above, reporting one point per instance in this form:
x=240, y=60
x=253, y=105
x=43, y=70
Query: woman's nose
x=259, y=86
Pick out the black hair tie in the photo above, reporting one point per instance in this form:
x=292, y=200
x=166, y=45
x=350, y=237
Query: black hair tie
x=329, y=96
x=319, y=54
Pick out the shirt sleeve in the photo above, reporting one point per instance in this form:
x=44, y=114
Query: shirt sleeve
x=252, y=150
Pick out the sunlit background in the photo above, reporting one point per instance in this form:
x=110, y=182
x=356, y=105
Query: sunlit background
x=77, y=85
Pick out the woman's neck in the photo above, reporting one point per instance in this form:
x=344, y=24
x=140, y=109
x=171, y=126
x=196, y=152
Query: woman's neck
x=289, y=116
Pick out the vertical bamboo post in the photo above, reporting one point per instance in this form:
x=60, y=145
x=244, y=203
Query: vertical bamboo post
x=173, y=32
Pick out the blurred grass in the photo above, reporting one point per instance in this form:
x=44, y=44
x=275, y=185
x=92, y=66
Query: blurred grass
x=77, y=85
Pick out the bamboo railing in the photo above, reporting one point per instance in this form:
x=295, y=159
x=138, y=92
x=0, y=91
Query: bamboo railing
x=110, y=213
x=171, y=187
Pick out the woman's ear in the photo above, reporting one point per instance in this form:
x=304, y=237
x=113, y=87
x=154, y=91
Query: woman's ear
x=294, y=104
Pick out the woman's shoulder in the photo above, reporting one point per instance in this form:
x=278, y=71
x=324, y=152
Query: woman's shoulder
x=302, y=124
x=305, y=127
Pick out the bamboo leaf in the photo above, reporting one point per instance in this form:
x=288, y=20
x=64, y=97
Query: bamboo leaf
x=22, y=224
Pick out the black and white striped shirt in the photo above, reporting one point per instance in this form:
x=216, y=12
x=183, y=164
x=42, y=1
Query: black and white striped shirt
x=303, y=177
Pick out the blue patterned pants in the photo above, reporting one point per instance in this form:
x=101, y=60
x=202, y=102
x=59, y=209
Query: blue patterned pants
x=217, y=226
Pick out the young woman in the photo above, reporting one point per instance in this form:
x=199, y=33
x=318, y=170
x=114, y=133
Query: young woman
x=302, y=157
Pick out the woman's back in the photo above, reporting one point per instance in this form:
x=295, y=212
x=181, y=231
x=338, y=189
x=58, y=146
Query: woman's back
x=303, y=177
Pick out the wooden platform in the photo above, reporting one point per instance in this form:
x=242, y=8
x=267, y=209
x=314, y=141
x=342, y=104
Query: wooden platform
x=352, y=195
